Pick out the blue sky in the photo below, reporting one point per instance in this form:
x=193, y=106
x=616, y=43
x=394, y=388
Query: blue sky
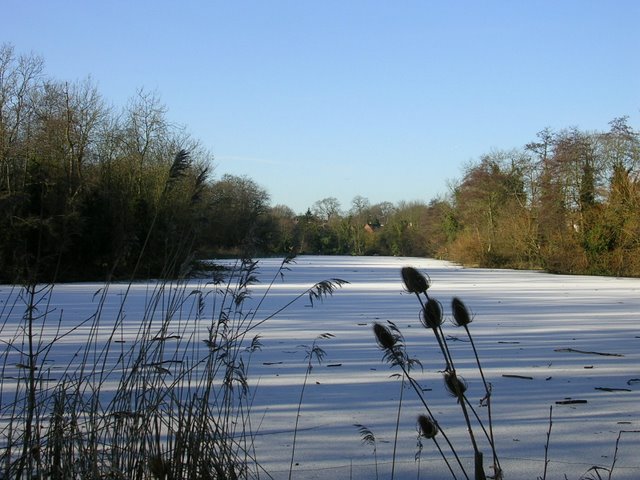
x=387, y=100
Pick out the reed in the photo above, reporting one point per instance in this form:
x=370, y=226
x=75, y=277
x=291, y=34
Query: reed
x=163, y=393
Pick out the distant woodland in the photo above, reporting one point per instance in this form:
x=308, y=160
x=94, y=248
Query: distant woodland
x=88, y=191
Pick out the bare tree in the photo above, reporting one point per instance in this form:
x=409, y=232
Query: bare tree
x=20, y=80
x=326, y=209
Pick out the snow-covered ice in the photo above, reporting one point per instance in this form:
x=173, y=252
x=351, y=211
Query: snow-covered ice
x=542, y=339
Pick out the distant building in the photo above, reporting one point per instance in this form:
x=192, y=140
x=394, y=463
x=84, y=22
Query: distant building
x=371, y=227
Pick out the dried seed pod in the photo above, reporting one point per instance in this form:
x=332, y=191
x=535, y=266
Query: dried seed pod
x=414, y=281
x=385, y=338
x=456, y=386
x=461, y=316
x=432, y=314
x=428, y=427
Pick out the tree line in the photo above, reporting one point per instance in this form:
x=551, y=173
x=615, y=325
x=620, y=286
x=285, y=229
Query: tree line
x=567, y=202
x=90, y=191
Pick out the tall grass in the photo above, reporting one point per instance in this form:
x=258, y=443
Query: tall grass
x=162, y=395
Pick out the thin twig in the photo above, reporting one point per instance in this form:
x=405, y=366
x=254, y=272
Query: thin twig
x=546, y=445
x=615, y=455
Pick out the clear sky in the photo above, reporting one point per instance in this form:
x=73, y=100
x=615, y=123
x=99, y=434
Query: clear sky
x=338, y=98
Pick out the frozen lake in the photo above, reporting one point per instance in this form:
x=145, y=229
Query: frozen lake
x=542, y=339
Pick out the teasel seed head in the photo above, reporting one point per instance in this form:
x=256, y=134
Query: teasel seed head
x=432, y=314
x=385, y=338
x=461, y=316
x=428, y=427
x=456, y=386
x=414, y=281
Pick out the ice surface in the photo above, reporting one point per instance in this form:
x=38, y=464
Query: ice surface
x=542, y=339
